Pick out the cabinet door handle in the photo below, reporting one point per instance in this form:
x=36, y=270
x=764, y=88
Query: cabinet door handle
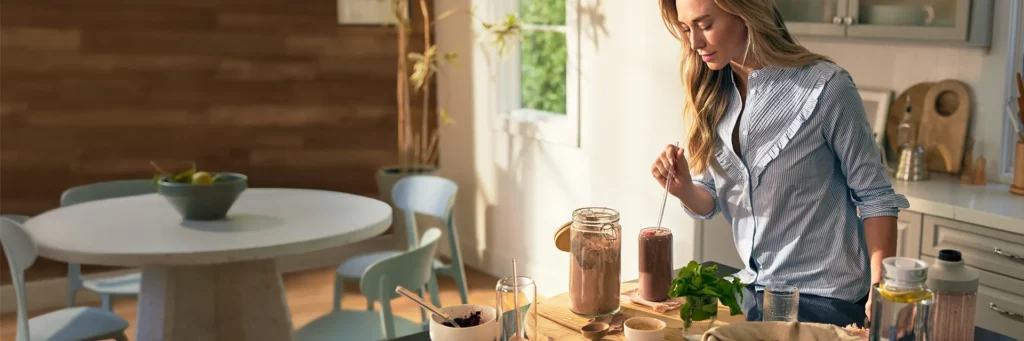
x=837, y=20
x=1010, y=314
x=848, y=21
x=1000, y=252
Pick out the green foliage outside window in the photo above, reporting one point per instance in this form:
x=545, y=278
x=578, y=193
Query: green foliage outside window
x=543, y=12
x=543, y=57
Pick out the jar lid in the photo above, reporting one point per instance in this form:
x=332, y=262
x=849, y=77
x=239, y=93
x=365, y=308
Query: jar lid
x=904, y=271
x=562, y=237
x=949, y=274
x=595, y=215
x=950, y=255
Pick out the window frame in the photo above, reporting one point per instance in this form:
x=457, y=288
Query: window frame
x=511, y=118
x=1015, y=64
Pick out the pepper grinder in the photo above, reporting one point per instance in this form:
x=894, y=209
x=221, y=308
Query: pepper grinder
x=912, y=165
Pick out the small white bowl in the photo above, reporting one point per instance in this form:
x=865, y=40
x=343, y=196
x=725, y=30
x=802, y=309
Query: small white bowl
x=644, y=329
x=487, y=330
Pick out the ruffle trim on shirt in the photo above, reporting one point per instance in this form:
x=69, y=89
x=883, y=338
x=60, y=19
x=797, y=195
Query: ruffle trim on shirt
x=823, y=72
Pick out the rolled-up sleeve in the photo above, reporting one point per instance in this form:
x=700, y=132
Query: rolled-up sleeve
x=706, y=181
x=849, y=135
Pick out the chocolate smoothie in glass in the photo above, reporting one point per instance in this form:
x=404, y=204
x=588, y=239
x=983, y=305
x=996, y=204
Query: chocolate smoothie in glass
x=655, y=263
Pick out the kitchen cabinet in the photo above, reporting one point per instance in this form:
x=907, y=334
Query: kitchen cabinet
x=908, y=234
x=984, y=248
x=960, y=22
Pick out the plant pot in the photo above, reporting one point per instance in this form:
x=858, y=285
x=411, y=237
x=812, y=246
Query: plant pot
x=387, y=177
x=698, y=314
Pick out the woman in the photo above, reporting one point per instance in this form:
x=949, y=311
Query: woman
x=779, y=143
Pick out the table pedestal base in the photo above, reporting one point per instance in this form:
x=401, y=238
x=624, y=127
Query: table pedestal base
x=234, y=301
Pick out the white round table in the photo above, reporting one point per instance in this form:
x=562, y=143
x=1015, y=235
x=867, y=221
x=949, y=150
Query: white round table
x=209, y=280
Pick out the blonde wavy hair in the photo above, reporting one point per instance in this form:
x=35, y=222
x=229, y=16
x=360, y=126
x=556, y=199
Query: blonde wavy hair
x=768, y=44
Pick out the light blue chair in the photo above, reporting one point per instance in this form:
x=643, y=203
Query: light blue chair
x=411, y=269
x=424, y=194
x=110, y=287
x=80, y=323
x=20, y=219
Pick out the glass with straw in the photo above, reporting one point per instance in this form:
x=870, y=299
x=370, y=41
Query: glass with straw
x=655, y=247
x=516, y=297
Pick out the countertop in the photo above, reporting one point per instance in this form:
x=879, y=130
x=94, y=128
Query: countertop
x=942, y=195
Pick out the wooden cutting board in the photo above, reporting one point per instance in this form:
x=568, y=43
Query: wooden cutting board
x=557, y=309
x=943, y=131
x=917, y=93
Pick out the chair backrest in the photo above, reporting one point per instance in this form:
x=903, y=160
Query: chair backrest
x=20, y=251
x=98, y=191
x=425, y=194
x=106, y=190
x=20, y=219
x=411, y=269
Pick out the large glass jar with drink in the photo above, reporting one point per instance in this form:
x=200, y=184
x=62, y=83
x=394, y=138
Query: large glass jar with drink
x=595, y=263
x=902, y=303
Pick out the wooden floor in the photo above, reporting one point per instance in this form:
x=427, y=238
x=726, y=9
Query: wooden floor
x=309, y=296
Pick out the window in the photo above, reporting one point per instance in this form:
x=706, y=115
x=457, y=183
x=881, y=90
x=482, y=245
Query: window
x=1015, y=49
x=538, y=79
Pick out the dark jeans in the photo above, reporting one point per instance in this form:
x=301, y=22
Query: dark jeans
x=811, y=308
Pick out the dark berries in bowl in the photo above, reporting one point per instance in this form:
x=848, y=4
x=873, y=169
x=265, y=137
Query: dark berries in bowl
x=472, y=320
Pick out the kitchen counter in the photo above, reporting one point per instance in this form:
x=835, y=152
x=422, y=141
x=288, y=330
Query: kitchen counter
x=990, y=205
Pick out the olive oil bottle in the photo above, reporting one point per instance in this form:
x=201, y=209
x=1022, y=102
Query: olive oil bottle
x=901, y=303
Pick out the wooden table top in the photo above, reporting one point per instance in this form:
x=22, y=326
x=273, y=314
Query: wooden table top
x=556, y=308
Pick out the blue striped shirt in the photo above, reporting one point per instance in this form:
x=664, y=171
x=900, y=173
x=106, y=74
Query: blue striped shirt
x=808, y=163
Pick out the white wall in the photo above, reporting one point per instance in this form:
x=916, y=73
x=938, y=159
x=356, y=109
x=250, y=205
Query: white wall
x=515, y=192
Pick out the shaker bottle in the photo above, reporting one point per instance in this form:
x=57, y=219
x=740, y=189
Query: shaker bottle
x=956, y=290
x=595, y=264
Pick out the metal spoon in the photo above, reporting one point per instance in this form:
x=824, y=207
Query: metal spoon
x=419, y=301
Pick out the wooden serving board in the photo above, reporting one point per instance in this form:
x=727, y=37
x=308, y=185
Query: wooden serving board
x=943, y=136
x=557, y=309
x=916, y=93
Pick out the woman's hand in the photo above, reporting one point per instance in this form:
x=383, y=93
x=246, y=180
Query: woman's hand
x=672, y=161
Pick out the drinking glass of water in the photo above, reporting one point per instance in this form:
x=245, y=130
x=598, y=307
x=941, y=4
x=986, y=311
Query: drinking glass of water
x=780, y=303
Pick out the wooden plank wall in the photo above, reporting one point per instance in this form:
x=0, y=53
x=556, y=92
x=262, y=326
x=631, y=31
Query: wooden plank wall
x=276, y=89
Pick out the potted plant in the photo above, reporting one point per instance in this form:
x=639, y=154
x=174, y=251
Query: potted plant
x=418, y=145
x=701, y=291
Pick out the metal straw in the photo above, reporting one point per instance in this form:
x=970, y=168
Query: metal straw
x=515, y=291
x=668, y=182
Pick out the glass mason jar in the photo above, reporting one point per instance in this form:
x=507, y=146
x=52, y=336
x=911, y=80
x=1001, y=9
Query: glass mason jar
x=516, y=296
x=698, y=314
x=595, y=263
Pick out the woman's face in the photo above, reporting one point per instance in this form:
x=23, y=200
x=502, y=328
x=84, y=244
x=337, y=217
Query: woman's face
x=718, y=36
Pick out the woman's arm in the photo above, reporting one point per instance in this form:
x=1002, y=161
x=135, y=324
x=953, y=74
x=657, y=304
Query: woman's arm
x=880, y=233
x=696, y=194
x=698, y=201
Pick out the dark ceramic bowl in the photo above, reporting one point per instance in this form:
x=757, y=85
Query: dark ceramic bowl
x=205, y=202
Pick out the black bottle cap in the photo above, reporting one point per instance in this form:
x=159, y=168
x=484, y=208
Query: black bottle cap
x=950, y=255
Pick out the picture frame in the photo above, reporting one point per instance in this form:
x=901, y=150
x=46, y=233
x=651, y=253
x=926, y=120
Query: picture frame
x=365, y=12
x=876, y=107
